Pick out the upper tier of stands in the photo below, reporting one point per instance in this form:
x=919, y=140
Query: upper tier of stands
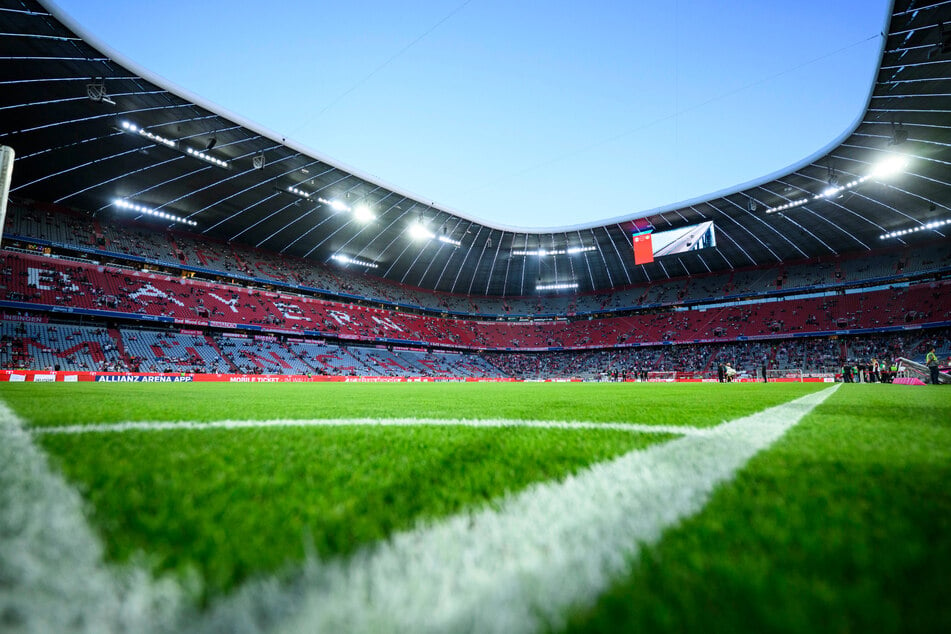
x=33, y=281
x=174, y=249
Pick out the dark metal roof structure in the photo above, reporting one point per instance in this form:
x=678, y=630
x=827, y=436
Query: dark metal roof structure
x=89, y=128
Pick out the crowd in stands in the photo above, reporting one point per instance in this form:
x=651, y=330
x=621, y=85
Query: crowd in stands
x=51, y=346
x=243, y=263
x=686, y=325
x=49, y=282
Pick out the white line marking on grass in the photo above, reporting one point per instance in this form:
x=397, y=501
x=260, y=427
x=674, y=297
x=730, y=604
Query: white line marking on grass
x=518, y=566
x=376, y=422
x=52, y=578
x=515, y=566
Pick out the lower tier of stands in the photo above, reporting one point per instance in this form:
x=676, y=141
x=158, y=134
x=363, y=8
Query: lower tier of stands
x=33, y=342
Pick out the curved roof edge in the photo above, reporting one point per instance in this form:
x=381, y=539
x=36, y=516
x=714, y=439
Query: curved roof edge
x=207, y=104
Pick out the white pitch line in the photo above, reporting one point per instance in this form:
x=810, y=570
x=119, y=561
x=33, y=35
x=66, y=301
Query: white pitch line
x=52, y=578
x=518, y=565
x=375, y=422
x=514, y=566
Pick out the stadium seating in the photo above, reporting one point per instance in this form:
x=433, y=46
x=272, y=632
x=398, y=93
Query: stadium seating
x=43, y=346
x=56, y=283
x=151, y=351
x=176, y=249
x=290, y=330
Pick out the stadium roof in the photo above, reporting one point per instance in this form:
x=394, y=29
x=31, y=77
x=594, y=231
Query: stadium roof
x=93, y=131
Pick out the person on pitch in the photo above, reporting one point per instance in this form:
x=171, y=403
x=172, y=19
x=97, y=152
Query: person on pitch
x=730, y=373
x=931, y=360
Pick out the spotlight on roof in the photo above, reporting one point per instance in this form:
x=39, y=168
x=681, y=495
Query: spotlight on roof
x=212, y=142
x=257, y=161
x=899, y=134
x=557, y=286
x=336, y=205
x=97, y=92
x=889, y=166
x=363, y=213
x=418, y=232
x=346, y=259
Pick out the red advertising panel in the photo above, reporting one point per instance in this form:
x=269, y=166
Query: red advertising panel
x=643, y=248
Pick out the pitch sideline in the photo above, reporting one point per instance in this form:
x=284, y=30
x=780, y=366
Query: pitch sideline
x=375, y=422
x=514, y=567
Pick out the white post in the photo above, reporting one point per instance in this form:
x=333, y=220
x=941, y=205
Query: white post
x=6, y=173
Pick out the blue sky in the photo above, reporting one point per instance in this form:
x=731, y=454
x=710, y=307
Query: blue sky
x=529, y=114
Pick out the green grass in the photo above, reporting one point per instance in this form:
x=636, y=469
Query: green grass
x=690, y=404
x=231, y=504
x=843, y=526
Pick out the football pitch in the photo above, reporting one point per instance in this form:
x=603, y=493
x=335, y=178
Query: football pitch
x=474, y=507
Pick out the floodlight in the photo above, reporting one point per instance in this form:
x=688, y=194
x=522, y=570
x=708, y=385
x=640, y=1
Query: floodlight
x=346, y=259
x=830, y=191
x=890, y=165
x=448, y=240
x=363, y=213
x=418, y=232
x=97, y=92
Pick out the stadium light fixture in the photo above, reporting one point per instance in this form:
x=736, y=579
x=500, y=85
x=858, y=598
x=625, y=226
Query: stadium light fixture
x=149, y=211
x=545, y=252
x=889, y=166
x=899, y=134
x=928, y=226
x=336, y=205
x=97, y=92
x=298, y=192
x=576, y=250
x=208, y=158
x=829, y=192
x=128, y=126
x=346, y=259
x=558, y=286
x=363, y=213
x=419, y=232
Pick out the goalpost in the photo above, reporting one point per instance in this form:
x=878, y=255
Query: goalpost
x=785, y=376
x=661, y=377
